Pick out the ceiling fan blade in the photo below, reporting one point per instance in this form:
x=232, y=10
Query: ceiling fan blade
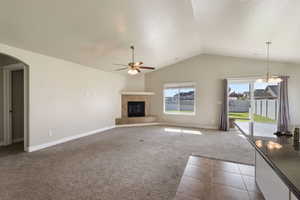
x=120, y=64
x=121, y=69
x=137, y=69
x=144, y=67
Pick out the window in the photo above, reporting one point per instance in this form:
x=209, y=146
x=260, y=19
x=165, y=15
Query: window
x=179, y=99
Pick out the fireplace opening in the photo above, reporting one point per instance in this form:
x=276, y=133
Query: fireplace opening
x=136, y=109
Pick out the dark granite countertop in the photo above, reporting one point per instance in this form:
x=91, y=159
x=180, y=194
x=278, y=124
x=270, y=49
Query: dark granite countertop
x=283, y=155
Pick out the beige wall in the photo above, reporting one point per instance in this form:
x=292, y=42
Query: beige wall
x=208, y=71
x=67, y=98
x=135, y=83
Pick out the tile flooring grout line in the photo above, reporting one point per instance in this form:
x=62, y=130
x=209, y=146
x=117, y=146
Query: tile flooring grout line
x=212, y=158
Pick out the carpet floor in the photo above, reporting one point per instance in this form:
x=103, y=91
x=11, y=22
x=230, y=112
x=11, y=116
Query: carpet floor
x=138, y=163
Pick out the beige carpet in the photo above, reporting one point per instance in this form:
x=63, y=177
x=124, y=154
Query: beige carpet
x=141, y=163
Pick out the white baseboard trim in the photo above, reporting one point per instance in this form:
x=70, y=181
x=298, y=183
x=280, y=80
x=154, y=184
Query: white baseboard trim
x=67, y=139
x=70, y=138
x=139, y=124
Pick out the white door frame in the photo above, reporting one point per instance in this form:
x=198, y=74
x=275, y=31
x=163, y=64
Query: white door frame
x=7, y=71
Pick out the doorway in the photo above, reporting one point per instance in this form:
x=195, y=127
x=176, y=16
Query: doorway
x=17, y=106
x=254, y=106
x=239, y=100
x=15, y=110
x=265, y=108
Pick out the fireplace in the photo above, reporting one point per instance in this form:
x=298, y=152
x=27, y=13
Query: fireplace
x=136, y=108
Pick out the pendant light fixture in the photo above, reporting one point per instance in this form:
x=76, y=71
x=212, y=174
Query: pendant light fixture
x=269, y=77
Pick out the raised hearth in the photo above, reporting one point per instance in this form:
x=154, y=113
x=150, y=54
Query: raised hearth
x=135, y=120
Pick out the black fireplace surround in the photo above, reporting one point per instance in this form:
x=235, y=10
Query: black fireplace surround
x=136, y=108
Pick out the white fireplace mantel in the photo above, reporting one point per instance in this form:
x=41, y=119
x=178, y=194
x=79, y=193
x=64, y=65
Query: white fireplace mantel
x=137, y=93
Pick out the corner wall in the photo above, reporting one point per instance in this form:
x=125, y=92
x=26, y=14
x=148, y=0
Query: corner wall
x=207, y=71
x=68, y=99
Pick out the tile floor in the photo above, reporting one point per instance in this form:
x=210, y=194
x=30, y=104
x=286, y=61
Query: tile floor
x=209, y=179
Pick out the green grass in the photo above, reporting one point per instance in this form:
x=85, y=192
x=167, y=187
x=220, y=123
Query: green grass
x=245, y=117
x=239, y=115
x=259, y=118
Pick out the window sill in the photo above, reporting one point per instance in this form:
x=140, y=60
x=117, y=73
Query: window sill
x=180, y=113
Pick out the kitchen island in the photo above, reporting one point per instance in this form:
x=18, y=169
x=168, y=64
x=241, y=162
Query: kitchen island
x=277, y=167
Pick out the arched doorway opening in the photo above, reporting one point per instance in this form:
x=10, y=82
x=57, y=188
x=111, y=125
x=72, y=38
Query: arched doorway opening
x=14, y=119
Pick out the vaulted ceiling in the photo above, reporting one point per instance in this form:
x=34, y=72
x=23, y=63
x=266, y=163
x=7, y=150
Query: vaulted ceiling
x=98, y=33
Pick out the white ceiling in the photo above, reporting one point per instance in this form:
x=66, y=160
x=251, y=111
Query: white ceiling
x=98, y=33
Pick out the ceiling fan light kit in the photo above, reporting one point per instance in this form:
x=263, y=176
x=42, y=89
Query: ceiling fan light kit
x=132, y=71
x=134, y=67
x=269, y=77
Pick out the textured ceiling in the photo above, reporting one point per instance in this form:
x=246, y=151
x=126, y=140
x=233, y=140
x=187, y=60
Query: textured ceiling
x=98, y=33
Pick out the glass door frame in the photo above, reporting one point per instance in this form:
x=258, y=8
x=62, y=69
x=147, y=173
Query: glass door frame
x=251, y=83
x=252, y=112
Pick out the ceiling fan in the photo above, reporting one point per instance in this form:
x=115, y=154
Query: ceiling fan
x=134, y=67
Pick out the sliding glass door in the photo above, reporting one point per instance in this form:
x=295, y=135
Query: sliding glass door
x=254, y=107
x=239, y=100
x=265, y=112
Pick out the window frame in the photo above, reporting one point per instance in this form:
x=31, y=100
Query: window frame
x=179, y=86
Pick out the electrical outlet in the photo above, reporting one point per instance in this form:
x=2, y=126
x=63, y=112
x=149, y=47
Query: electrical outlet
x=50, y=133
